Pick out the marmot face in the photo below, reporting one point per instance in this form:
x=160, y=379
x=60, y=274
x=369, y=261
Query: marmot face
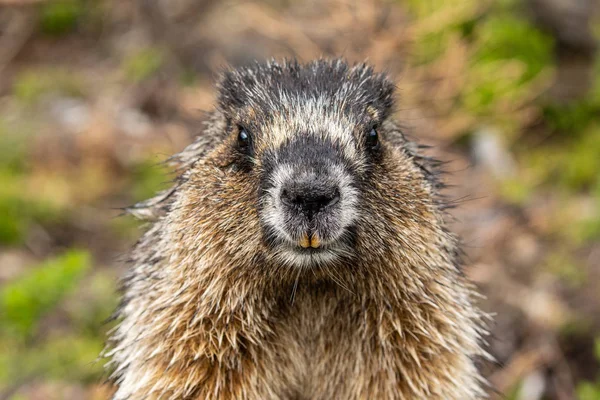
x=310, y=141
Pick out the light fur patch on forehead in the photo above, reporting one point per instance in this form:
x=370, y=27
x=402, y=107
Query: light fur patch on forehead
x=321, y=116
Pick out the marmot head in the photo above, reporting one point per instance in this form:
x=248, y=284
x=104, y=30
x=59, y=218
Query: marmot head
x=312, y=134
x=311, y=170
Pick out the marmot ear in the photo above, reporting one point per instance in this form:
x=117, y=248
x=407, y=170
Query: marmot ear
x=385, y=96
x=233, y=87
x=379, y=88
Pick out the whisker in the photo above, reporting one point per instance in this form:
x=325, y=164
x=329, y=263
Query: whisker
x=295, y=285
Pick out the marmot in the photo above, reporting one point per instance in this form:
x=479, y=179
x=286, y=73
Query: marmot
x=301, y=254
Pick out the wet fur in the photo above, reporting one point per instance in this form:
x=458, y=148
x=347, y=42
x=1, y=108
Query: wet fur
x=209, y=311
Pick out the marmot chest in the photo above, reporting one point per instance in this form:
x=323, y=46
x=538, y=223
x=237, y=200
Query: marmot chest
x=320, y=347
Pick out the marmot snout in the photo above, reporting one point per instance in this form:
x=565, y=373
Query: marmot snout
x=302, y=254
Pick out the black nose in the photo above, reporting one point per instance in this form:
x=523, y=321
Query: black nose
x=309, y=198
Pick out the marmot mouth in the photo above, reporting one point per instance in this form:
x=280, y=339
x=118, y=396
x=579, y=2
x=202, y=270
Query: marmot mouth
x=310, y=241
x=309, y=250
x=292, y=253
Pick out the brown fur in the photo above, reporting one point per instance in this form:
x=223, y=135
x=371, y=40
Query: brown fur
x=208, y=312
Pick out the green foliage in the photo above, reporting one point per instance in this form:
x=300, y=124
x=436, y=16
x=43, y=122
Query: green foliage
x=570, y=119
x=515, y=190
x=581, y=170
x=568, y=166
x=147, y=179
x=584, y=231
x=18, y=211
x=93, y=304
x=588, y=391
x=60, y=16
x=68, y=352
x=573, y=118
x=509, y=54
x=29, y=86
x=125, y=226
x=12, y=149
x=512, y=38
x=430, y=47
x=590, y=230
x=569, y=169
x=143, y=64
x=439, y=31
x=513, y=392
x=12, y=226
x=59, y=357
x=11, y=163
x=564, y=266
x=421, y=9
x=573, y=164
x=24, y=301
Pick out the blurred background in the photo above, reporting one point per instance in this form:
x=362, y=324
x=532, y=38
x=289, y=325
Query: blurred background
x=96, y=94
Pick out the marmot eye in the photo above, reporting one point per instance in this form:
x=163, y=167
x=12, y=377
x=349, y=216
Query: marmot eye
x=243, y=138
x=372, y=138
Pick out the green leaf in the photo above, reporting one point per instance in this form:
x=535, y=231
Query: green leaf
x=60, y=17
x=143, y=64
x=24, y=301
x=588, y=391
x=67, y=358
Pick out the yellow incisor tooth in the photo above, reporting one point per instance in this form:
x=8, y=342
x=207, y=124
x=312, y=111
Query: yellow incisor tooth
x=304, y=241
x=314, y=241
